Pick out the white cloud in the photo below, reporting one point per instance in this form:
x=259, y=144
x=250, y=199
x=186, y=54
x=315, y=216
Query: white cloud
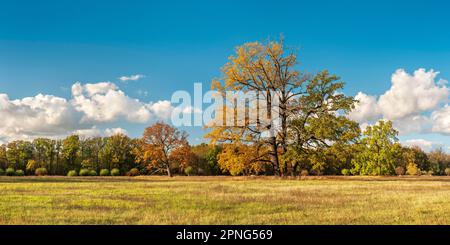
x=425, y=145
x=39, y=116
x=131, y=78
x=441, y=120
x=90, y=132
x=162, y=109
x=412, y=124
x=366, y=109
x=408, y=102
x=104, y=102
x=411, y=95
x=114, y=131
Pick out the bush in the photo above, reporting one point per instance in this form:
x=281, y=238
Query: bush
x=189, y=170
x=2, y=172
x=72, y=173
x=104, y=172
x=40, y=172
x=92, y=173
x=346, y=172
x=304, y=172
x=19, y=172
x=400, y=170
x=10, y=172
x=412, y=169
x=115, y=172
x=84, y=172
x=133, y=172
x=447, y=171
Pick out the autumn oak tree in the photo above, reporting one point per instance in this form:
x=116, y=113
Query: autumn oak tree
x=305, y=105
x=164, y=146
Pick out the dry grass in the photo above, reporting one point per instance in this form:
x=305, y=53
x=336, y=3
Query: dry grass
x=224, y=200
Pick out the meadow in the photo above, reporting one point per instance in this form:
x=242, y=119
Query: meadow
x=224, y=200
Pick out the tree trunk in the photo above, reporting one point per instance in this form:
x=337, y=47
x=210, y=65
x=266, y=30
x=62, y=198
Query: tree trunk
x=169, y=173
x=274, y=155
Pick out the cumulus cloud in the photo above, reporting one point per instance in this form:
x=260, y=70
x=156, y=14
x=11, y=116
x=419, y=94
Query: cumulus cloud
x=441, y=120
x=131, y=78
x=39, y=116
x=114, y=131
x=92, y=105
x=90, y=132
x=366, y=109
x=425, y=145
x=408, y=103
x=104, y=102
x=412, y=94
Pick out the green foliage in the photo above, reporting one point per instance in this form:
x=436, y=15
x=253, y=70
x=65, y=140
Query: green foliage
x=378, y=151
x=72, y=173
x=133, y=172
x=104, y=172
x=189, y=170
x=2, y=172
x=346, y=172
x=10, y=172
x=92, y=172
x=19, y=172
x=84, y=172
x=41, y=172
x=115, y=172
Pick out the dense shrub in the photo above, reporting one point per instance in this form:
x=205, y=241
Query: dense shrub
x=2, y=172
x=10, y=172
x=72, y=173
x=133, y=172
x=345, y=172
x=304, y=172
x=115, y=172
x=20, y=172
x=400, y=170
x=84, y=172
x=412, y=169
x=104, y=172
x=40, y=172
x=447, y=171
x=189, y=171
x=92, y=173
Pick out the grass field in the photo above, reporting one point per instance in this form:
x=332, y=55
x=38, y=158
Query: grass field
x=224, y=200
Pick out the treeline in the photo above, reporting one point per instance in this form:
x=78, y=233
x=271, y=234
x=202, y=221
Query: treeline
x=164, y=150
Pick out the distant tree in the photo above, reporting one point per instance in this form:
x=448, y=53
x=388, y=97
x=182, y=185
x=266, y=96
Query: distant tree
x=418, y=157
x=70, y=148
x=18, y=154
x=439, y=160
x=3, y=157
x=207, y=162
x=379, y=151
x=163, y=146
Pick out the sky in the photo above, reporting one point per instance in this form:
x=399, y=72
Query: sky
x=101, y=67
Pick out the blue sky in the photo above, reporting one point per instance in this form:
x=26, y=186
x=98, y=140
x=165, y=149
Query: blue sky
x=46, y=46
